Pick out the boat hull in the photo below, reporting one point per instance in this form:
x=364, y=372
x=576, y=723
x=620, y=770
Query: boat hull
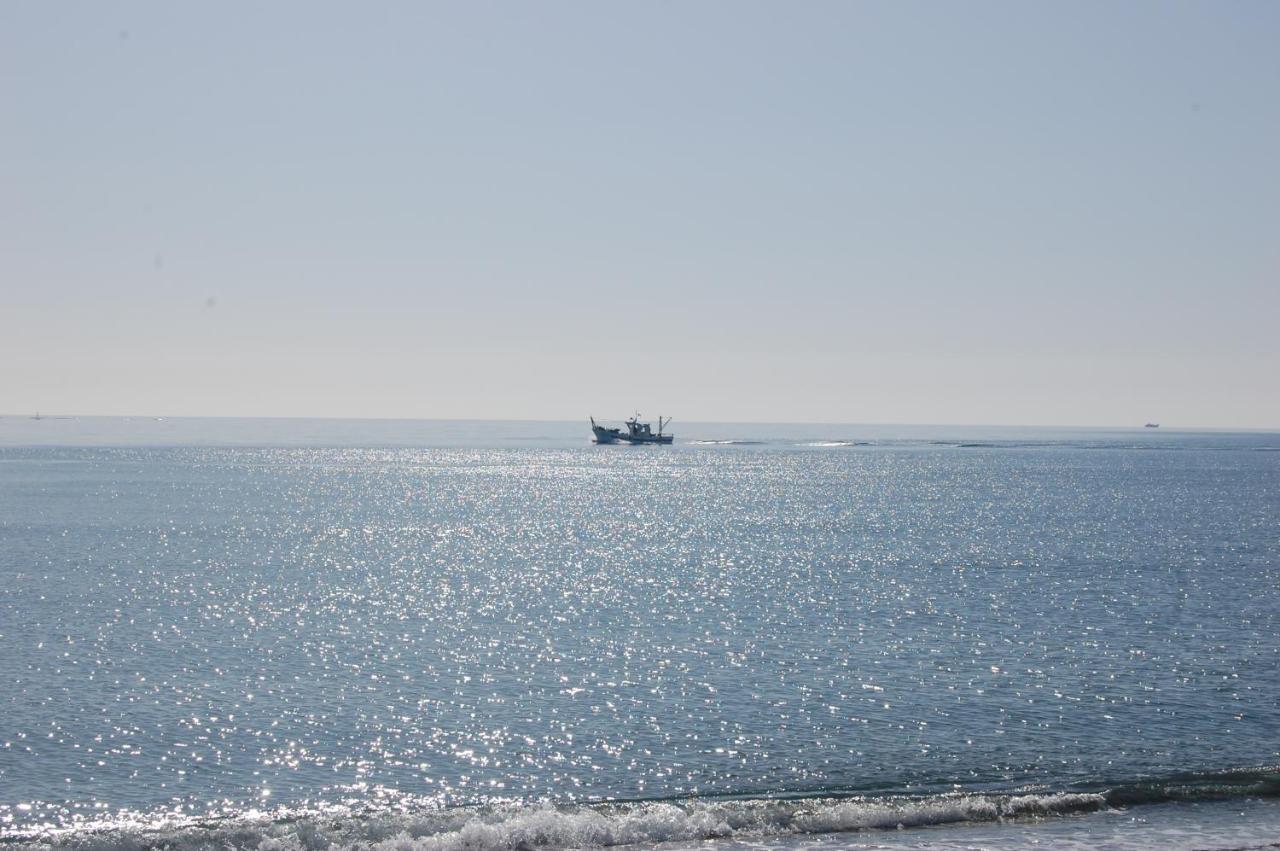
x=657, y=438
x=606, y=435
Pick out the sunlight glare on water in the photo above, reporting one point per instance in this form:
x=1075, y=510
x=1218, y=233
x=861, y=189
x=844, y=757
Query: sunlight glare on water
x=229, y=630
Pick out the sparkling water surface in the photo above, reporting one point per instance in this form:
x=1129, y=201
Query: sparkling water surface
x=496, y=618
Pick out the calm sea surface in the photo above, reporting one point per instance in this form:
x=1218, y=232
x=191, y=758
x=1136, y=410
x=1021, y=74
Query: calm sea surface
x=309, y=634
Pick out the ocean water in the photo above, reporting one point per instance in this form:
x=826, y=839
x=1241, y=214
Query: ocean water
x=412, y=635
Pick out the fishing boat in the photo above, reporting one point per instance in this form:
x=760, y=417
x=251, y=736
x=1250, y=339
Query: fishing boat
x=637, y=432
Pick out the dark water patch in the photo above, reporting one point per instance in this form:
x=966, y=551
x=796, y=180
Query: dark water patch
x=1198, y=786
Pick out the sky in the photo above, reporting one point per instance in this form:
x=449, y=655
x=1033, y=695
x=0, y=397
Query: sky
x=858, y=212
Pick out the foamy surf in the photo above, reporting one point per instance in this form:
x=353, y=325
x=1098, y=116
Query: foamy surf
x=397, y=822
x=553, y=826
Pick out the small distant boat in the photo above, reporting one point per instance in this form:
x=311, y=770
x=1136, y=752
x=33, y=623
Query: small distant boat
x=1152, y=425
x=637, y=432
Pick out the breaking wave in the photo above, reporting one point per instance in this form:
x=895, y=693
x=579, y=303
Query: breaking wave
x=522, y=827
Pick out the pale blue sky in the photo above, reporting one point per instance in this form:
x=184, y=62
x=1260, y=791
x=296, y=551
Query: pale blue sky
x=1014, y=213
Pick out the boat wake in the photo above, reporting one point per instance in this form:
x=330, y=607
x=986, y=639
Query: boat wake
x=835, y=444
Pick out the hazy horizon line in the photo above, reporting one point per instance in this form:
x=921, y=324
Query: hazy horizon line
x=825, y=423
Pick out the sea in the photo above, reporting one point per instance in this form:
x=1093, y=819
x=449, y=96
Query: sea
x=407, y=635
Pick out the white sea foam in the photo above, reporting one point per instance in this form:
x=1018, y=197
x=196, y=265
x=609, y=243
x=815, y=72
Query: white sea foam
x=551, y=827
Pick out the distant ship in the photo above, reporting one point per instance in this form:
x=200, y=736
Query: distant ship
x=637, y=432
x=1152, y=425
